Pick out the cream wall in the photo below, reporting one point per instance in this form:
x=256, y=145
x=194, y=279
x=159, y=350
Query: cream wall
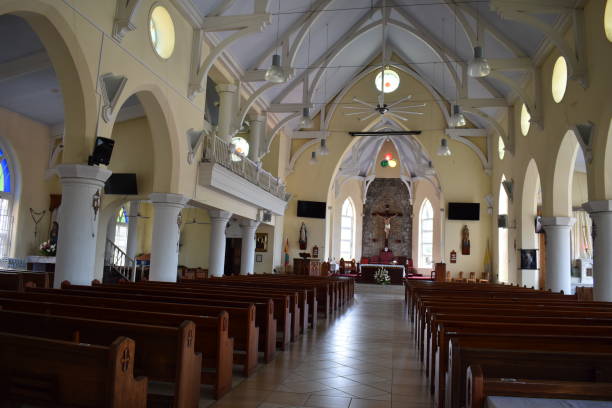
x=26, y=145
x=195, y=238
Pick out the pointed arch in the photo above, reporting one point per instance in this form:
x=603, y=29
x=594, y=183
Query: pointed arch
x=502, y=234
x=426, y=231
x=347, y=229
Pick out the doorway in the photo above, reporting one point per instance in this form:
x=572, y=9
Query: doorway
x=233, y=251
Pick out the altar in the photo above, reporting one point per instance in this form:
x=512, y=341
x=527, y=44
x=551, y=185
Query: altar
x=397, y=272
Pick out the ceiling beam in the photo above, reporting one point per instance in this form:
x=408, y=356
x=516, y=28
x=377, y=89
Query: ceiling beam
x=483, y=102
x=24, y=66
x=454, y=132
x=287, y=107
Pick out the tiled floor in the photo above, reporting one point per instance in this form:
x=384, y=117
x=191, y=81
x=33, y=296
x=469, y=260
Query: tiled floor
x=363, y=358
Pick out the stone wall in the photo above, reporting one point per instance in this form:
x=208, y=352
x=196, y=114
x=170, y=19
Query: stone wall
x=387, y=195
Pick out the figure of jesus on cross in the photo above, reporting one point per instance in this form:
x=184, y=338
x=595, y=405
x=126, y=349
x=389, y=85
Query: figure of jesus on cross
x=387, y=217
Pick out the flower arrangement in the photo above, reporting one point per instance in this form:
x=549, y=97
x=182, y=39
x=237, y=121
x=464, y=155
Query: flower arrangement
x=47, y=248
x=381, y=276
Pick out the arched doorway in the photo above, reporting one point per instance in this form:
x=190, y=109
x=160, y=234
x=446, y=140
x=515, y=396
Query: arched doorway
x=531, y=239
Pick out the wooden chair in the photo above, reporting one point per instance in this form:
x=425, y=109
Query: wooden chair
x=448, y=276
x=342, y=266
x=472, y=277
x=484, y=277
x=353, y=266
x=325, y=269
x=460, y=278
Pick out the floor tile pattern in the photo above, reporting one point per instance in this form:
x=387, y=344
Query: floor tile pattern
x=362, y=358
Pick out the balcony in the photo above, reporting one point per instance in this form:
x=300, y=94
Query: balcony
x=243, y=178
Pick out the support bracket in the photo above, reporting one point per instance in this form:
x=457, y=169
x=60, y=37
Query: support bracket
x=111, y=87
x=125, y=12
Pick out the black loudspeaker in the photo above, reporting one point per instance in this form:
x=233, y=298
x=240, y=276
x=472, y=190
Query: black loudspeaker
x=103, y=150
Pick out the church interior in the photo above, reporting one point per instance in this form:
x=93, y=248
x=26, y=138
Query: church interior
x=306, y=203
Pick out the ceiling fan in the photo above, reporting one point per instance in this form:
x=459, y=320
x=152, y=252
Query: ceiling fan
x=386, y=111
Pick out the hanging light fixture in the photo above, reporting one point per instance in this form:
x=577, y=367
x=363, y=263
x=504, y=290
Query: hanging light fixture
x=313, y=158
x=306, y=122
x=275, y=73
x=323, y=150
x=457, y=119
x=479, y=67
x=444, y=150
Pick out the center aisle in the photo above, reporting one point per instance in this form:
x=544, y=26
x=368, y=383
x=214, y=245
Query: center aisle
x=364, y=358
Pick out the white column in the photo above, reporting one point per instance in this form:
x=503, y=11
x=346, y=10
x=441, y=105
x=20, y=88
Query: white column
x=558, y=250
x=165, y=245
x=247, y=253
x=601, y=214
x=258, y=126
x=132, y=239
x=78, y=225
x=111, y=228
x=227, y=107
x=216, y=255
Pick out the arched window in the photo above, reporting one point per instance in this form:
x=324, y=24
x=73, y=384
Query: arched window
x=426, y=218
x=121, y=230
x=347, y=230
x=502, y=235
x=6, y=205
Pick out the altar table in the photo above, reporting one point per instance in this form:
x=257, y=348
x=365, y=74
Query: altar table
x=367, y=271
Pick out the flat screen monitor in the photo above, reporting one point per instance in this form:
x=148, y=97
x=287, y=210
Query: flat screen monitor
x=121, y=184
x=311, y=209
x=464, y=211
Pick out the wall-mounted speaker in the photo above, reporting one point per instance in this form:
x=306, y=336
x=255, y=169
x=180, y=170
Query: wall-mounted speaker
x=502, y=221
x=103, y=150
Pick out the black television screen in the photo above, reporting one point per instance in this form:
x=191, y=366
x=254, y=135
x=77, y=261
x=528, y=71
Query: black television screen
x=311, y=209
x=121, y=184
x=464, y=211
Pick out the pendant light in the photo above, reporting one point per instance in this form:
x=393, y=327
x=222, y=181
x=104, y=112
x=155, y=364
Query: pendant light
x=457, y=119
x=479, y=67
x=275, y=73
x=313, y=158
x=444, y=150
x=323, y=150
x=306, y=122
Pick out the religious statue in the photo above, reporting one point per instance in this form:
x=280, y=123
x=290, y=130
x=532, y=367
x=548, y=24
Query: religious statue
x=303, y=241
x=465, y=240
x=387, y=217
x=54, y=233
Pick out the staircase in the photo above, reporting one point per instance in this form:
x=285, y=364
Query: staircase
x=117, y=265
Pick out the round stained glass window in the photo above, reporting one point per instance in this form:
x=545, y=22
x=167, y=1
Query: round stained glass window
x=161, y=32
x=241, y=148
x=559, y=79
x=391, y=81
x=525, y=120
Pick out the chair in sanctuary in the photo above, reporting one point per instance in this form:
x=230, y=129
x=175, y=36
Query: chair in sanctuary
x=484, y=277
x=386, y=257
x=342, y=266
x=472, y=277
x=352, y=267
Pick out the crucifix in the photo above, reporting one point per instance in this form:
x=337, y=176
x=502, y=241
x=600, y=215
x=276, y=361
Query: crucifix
x=387, y=217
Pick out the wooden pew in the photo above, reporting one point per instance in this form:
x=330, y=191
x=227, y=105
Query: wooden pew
x=281, y=311
x=479, y=387
x=526, y=356
x=241, y=323
x=52, y=373
x=163, y=353
x=211, y=333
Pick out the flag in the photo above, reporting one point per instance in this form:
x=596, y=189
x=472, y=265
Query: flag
x=286, y=250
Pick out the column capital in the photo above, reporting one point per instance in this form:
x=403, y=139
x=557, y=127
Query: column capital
x=558, y=221
x=220, y=215
x=256, y=117
x=87, y=174
x=249, y=224
x=600, y=206
x=226, y=88
x=175, y=200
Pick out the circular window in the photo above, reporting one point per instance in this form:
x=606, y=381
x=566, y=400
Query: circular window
x=525, y=120
x=240, y=148
x=608, y=20
x=161, y=31
x=501, y=148
x=392, y=81
x=559, y=79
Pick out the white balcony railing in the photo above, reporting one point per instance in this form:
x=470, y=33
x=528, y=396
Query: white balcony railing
x=220, y=152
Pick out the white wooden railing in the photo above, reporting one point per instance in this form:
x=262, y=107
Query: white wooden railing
x=217, y=150
x=118, y=261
